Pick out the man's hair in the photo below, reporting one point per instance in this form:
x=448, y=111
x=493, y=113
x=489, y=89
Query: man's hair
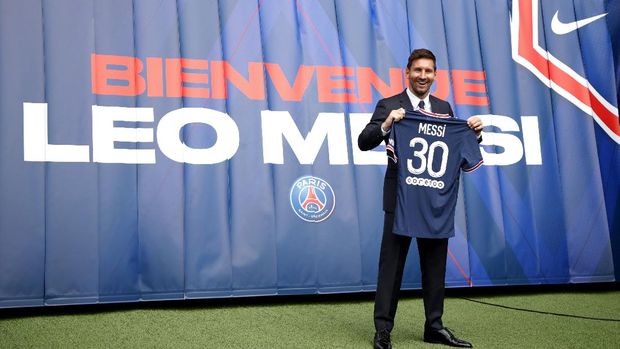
x=421, y=53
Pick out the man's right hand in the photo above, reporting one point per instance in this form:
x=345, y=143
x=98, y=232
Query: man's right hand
x=395, y=116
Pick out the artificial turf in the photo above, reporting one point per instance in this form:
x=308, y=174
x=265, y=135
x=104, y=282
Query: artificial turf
x=318, y=322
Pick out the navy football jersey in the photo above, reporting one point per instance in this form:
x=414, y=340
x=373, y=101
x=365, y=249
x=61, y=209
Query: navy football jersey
x=430, y=151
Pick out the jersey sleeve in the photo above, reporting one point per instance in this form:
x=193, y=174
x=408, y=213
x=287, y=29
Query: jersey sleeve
x=390, y=148
x=470, y=153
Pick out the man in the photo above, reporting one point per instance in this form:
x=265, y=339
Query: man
x=420, y=72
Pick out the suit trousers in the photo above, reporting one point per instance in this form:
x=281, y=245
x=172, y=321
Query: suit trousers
x=394, y=249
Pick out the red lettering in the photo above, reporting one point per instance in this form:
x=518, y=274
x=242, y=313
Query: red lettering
x=367, y=77
x=120, y=76
x=442, y=84
x=102, y=74
x=462, y=87
x=154, y=77
x=175, y=77
x=286, y=91
x=326, y=85
x=253, y=87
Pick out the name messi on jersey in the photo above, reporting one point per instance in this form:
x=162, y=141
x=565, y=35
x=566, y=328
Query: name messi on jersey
x=432, y=130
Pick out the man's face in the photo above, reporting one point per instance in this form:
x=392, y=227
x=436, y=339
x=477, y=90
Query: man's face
x=421, y=76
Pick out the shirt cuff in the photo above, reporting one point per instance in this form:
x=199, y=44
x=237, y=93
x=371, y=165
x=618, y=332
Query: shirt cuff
x=384, y=132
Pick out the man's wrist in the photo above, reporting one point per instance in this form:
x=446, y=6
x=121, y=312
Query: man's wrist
x=385, y=132
x=386, y=126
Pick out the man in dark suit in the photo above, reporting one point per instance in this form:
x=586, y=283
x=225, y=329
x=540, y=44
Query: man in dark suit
x=420, y=72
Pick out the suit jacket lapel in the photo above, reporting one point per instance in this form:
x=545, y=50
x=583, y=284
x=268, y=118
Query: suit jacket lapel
x=405, y=102
x=432, y=99
x=438, y=106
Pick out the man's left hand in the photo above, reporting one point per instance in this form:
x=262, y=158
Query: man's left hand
x=475, y=124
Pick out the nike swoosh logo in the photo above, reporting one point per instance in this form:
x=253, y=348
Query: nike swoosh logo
x=565, y=28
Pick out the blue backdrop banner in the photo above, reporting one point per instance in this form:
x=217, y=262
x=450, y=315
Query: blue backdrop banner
x=190, y=148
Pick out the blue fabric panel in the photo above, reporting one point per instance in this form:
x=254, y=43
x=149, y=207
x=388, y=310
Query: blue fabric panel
x=81, y=231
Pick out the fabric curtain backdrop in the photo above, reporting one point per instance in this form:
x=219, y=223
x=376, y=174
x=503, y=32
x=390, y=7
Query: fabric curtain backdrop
x=189, y=148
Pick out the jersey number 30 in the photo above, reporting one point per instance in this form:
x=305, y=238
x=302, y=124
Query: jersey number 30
x=426, y=160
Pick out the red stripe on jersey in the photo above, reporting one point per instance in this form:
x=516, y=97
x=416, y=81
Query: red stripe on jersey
x=436, y=115
x=474, y=167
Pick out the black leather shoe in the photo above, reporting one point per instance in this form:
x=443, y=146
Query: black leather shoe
x=445, y=336
x=382, y=340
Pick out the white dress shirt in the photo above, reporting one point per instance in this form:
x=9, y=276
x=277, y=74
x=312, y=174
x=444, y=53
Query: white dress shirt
x=415, y=101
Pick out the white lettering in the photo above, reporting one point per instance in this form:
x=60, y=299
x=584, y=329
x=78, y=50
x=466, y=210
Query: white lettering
x=432, y=130
x=531, y=140
x=173, y=147
x=501, y=146
x=371, y=157
x=36, y=143
x=277, y=125
x=424, y=182
x=513, y=149
x=105, y=134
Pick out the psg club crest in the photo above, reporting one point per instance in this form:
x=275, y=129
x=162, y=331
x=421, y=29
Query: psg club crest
x=312, y=199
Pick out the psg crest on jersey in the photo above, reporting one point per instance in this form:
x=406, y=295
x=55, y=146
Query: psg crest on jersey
x=312, y=199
